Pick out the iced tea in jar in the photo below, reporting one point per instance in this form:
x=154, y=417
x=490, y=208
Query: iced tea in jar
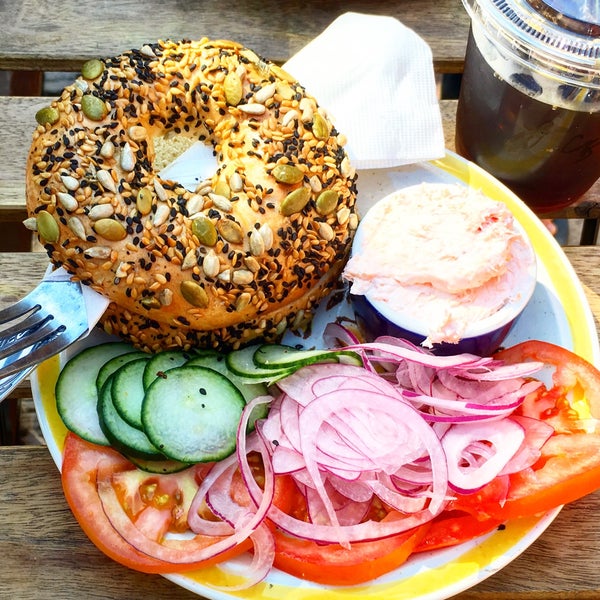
x=529, y=106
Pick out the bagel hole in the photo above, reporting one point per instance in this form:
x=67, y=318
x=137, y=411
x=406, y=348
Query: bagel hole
x=183, y=159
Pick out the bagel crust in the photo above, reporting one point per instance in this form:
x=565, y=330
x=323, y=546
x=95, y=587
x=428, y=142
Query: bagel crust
x=247, y=254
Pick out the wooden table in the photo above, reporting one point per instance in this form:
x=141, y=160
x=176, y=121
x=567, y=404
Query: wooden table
x=44, y=553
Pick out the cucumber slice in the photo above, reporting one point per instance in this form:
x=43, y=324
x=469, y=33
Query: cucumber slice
x=250, y=389
x=76, y=392
x=192, y=414
x=241, y=362
x=163, y=361
x=126, y=439
x=113, y=364
x=278, y=356
x=160, y=467
x=127, y=391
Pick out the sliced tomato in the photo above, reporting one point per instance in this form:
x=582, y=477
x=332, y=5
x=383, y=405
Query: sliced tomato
x=332, y=564
x=454, y=527
x=157, y=502
x=569, y=466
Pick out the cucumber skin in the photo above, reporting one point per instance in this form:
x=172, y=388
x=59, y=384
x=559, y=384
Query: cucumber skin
x=76, y=392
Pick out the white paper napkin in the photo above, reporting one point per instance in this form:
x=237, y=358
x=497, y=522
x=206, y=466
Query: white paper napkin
x=375, y=77
x=95, y=303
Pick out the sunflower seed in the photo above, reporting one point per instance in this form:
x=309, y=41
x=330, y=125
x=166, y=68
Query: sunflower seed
x=127, y=160
x=267, y=235
x=30, y=223
x=252, y=108
x=242, y=302
x=161, y=214
x=101, y=211
x=190, y=260
x=106, y=181
x=160, y=190
x=68, y=201
x=242, y=277
x=326, y=231
x=236, y=184
x=221, y=202
x=257, y=244
x=137, y=133
x=70, y=182
x=76, y=226
x=97, y=252
x=211, y=264
x=165, y=297
x=195, y=204
x=107, y=150
x=289, y=116
x=146, y=50
x=265, y=93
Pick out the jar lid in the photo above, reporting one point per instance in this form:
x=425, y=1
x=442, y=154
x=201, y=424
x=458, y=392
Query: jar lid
x=556, y=33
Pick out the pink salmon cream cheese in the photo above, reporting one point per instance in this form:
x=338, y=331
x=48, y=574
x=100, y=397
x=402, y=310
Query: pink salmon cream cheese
x=442, y=260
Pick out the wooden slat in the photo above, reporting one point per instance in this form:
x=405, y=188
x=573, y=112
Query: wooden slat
x=57, y=36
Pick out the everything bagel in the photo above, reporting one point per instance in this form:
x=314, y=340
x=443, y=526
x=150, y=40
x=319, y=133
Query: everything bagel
x=247, y=253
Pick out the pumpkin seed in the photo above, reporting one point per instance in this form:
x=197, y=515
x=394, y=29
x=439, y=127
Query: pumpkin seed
x=230, y=231
x=47, y=115
x=327, y=202
x=320, y=127
x=150, y=302
x=281, y=73
x=295, y=201
x=93, y=107
x=222, y=189
x=143, y=201
x=110, y=229
x=47, y=226
x=92, y=68
x=205, y=230
x=68, y=201
x=232, y=87
x=194, y=294
x=287, y=174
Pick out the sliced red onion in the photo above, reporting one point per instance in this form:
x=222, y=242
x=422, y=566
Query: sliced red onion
x=470, y=467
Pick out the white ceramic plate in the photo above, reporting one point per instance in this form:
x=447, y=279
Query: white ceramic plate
x=558, y=313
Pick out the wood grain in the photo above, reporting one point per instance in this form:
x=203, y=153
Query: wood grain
x=60, y=36
x=46, y=555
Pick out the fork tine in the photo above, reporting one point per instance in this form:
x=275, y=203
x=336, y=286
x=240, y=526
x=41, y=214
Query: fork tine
x=39, y=335
x=15, y=332
x=40, y=352
x=20, y=308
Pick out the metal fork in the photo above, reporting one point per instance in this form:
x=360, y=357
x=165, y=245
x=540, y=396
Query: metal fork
x=44, y=323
